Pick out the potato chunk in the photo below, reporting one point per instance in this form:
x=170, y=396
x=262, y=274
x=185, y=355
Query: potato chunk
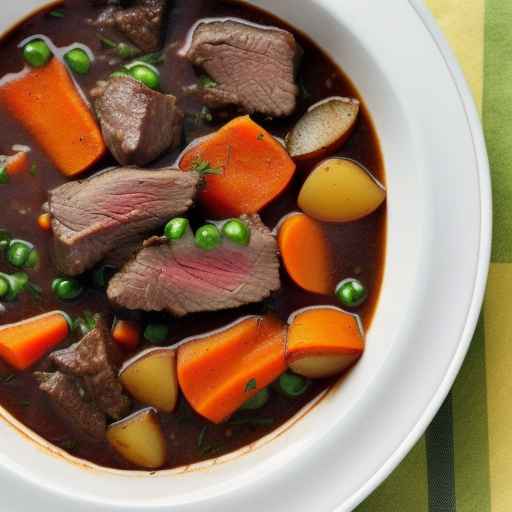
x=340, y=190
x=139, y=439
x=323, y=341
x=150, y=377
x=323, y=129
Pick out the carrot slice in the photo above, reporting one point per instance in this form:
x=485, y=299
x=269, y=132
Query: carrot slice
x=24, y=343
x=44, y=221
x=49, y=106
x=126, y=334
x=17, y=163
x=255, y=168
x=306, y=253
x=219, y=372
x=323, y=341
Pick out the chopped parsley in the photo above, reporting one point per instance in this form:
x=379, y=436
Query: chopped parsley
x=33, y=169
x=207, y=83
x=261, y=136
x=57, y=13
x=251, y=385
x=204, y=167
x=200, y=438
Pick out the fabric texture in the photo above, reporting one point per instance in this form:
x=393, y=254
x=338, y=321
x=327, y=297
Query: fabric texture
x=464, y=461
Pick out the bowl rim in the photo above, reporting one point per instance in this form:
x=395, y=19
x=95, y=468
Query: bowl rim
x=484, y=261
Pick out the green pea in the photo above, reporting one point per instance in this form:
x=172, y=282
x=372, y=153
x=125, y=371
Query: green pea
x=32, y=260
x=257, y=401
x=292, y=385
x=237, y=231
x=117, y=74
x=18, y=254
x=156, y=333
x=17, y=283
x=351, y=293
x=176, y=228
x=4, y=177
x=4, y=287
x=145, y=75
x=208, y=237
x=37, y=53
x=67, y=288
x=5, y=239
x=78, y=60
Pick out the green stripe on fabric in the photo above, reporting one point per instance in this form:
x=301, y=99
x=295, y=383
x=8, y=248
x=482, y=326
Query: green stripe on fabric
x=406, y=489
x=441, y=477
x=497, y=115
x=470, y=432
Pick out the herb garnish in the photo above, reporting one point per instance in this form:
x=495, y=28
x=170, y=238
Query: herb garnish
x=34, y=290
x=108, y=43
x=8, y=378
x=69, y=445
x=33, y=169
x=57, y=13
x=155, y=58
x=261, y=136
x=85, y=324
x=204, y=167
x=252, y=422
x=251, y=385
x=24, y=403
x=206, y=82
x=4, y=177
x=200, y=438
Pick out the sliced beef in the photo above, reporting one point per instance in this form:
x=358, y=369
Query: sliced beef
x=138, y=123
x=141, y=22
x=182, y=278
x=95, y=361
x=97, y=216
x=254, y=66
x=69, y=402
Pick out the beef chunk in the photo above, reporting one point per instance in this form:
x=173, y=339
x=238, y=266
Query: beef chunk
x=95, y=360
x=181, y=278
x=138, y=124
x=97, y=216
x=254, y=67
x=141, y=23
x=69, y=402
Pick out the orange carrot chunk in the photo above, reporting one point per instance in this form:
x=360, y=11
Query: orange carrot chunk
x=126, y=334
x=44, y=221
x=24, y=343
x=219, y=372
x=323, y=341
x=306, y=253
x=17, y=163
x=254, y=167
x=49, y=106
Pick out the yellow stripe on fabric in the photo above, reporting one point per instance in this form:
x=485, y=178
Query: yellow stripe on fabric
x=498, y=341
x=406, y=489
x=463, y=23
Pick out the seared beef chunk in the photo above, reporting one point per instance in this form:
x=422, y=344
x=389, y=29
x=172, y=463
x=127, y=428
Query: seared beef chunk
x=142, y=23
x=93, y=217
x=69, y=402
x=182, y=278
x=254, y=67
x=95, y=360
x=138, y=124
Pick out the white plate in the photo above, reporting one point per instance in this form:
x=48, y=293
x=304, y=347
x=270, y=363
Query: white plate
x=437, y=260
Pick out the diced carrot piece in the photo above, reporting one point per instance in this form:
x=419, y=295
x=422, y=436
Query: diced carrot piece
x=126, y=334
x=24, y=343
x=44, y=221
x=255, y=168
x=219, y=372
x=323, y=341
x=17, y=163
x=306, y=253
x=47, y=103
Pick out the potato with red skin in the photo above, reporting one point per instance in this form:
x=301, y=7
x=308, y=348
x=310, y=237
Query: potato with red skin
x=323, y=341
x=324, y=128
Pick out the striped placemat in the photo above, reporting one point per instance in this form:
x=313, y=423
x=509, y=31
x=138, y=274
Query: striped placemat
x=464, y=461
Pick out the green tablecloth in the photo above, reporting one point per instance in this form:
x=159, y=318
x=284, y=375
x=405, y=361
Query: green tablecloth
x=464, y=461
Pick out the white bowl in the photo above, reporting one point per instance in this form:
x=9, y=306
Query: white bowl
x=436, y=267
